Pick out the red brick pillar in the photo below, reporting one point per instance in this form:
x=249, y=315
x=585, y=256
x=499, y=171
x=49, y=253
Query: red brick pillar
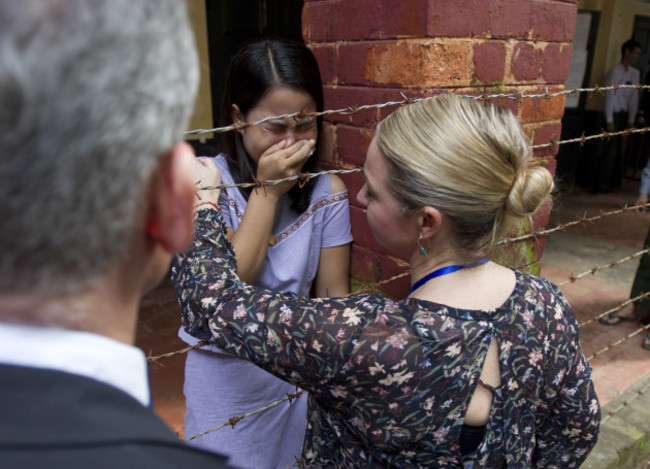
x=372, y=51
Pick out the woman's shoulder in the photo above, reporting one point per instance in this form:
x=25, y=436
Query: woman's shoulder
x=539, y=287
x=534, y=280
x=327, y=185
x=221, y=162
x=336, y=183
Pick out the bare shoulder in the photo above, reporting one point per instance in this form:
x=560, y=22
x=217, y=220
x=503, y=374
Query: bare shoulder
x=337, y=184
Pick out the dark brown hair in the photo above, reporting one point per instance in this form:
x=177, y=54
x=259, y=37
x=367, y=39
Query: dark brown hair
x=254, y=69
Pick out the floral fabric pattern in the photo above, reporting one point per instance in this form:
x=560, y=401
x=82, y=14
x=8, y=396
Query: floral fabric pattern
x=390, y=381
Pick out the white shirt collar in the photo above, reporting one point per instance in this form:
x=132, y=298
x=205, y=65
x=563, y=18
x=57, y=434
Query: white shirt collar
x=82, y=353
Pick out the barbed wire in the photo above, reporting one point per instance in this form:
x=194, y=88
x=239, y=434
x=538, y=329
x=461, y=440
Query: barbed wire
x=638, y=393
x=593, y=270
x=615, y=309
x=303, y=177
x=584, y=219
x=154, y=359
x=234, y=420
x=300, y=463
x=351, y=110
x=619, y=342
x=581, y=140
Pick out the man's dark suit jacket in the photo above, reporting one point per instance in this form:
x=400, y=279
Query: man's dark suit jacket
x=52, y=419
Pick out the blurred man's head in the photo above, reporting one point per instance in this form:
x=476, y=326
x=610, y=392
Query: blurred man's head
x=94, y=98
x=630, y=51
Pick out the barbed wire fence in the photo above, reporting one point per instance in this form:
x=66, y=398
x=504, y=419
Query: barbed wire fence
x=352, y=110
x=515, y=239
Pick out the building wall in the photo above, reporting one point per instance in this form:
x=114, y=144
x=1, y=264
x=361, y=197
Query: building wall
x=372, y=51
x=202, y=117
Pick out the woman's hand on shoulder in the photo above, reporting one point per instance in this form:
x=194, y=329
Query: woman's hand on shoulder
x=284, y=159
x=206, y=174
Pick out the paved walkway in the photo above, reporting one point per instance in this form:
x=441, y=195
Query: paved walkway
x=621, y=373
x=618, y=373
x=583, y=247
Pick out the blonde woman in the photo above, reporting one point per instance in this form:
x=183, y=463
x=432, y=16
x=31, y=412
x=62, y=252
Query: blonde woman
x=480, y=366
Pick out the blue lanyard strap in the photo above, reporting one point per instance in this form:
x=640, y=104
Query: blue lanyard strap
x=444, y=271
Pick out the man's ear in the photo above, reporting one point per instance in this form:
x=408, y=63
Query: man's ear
x=430, y=221
x=171, y=198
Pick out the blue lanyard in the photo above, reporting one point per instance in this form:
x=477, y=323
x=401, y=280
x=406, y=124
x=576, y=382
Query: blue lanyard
x=444, y=271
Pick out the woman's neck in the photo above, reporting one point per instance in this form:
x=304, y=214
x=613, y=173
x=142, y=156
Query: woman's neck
x=439, y=255
x=483, y=286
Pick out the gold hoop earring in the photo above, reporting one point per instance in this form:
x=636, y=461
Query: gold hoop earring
x=423, y=251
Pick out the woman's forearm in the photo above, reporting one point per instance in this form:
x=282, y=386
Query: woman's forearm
x=251, y=239
x=289, y=336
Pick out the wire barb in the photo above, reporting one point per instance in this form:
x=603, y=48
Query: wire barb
x=234, y=420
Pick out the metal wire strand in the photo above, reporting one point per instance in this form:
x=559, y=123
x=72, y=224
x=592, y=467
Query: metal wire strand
x=351, y=110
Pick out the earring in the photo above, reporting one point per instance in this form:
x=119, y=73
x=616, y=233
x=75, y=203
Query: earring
x=423, y=250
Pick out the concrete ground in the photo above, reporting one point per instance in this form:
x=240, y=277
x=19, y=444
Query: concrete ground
x=621, y=372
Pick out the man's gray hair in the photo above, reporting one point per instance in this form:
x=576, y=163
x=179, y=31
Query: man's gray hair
x=92, y=94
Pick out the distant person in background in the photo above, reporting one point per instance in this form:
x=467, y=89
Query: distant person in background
x=643, y=114
x=621, y=107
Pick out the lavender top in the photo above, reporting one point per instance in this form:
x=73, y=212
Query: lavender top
x=291, y=264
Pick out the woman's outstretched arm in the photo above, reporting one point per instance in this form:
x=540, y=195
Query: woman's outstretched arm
x=291, y=337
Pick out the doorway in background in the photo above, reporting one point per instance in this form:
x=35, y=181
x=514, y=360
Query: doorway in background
x=637, y=146
x=232, y=24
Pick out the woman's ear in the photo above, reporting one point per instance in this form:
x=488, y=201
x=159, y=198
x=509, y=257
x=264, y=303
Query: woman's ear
x=237, y=116
x=171, y=198
x=430, y=222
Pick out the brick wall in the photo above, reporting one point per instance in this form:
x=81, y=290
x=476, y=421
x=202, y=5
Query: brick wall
x=372, y=51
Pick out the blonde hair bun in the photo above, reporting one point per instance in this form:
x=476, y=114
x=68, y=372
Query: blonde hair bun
x=531, y=188
x=470, y=160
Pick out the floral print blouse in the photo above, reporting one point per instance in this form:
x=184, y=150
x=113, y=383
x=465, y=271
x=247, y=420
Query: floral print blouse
x=390, y=381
